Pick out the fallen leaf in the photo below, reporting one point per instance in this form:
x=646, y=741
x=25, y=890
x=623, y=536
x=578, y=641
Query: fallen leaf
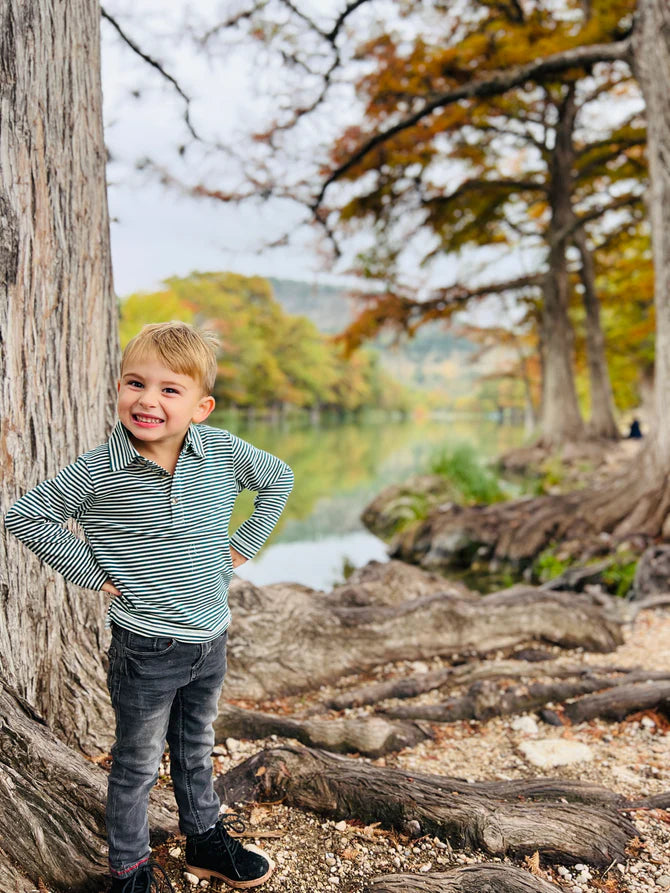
x=533, y=862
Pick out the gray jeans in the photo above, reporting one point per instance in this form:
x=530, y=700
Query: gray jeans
x=161, y=689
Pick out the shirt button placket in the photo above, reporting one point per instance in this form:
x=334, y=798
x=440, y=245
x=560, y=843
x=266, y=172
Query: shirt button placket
x=176, y=502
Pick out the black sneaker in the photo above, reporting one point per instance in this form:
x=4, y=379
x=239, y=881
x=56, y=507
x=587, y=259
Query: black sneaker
x=144, y=880
x=215, y=854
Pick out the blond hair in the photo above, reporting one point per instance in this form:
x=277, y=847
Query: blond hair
x=180, y=346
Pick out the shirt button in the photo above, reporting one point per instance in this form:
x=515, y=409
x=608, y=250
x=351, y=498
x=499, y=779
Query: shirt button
x=175, y=499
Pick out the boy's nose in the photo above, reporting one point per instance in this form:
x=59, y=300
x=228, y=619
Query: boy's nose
x=148, y=399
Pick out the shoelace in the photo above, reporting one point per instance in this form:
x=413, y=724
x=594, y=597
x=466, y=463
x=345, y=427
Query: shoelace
x=223, y=840
x=144, y=880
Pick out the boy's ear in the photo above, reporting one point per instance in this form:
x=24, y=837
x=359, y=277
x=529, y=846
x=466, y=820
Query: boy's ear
x=118, y=385
x=205, y=407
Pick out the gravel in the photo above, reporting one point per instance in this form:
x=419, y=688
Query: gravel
x=314, y=855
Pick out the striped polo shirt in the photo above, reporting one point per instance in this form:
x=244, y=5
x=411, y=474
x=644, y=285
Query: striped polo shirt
x=161, y=538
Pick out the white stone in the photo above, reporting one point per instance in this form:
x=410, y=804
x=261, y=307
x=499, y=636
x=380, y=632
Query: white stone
x=563, y=871
x=525, y=724
x=648, y=722
x=555, y=752
x=341, y=826
x=219, y=750
x=191, y=879
x=175, y=852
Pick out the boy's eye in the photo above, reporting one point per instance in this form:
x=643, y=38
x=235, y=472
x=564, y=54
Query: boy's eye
x=135, y=384
x=172, y=390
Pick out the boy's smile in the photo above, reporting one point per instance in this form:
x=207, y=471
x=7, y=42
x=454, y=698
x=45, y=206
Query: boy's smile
x=157, y=405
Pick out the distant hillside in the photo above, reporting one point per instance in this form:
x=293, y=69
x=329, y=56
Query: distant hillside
x=433, y=358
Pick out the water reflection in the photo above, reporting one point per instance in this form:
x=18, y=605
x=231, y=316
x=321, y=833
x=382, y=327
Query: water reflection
x=339, y=468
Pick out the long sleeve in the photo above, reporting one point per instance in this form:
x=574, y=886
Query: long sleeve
x=37, y=518
x=272, y=480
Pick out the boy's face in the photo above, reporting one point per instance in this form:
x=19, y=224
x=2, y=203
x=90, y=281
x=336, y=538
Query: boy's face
x=157, y=405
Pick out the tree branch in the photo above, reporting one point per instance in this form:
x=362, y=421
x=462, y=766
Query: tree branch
x=154, y=64
x=494, y=86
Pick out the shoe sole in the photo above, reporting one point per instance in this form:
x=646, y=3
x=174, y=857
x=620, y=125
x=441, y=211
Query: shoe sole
x=206, y=874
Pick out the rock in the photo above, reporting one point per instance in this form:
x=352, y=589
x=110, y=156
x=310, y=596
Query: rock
x=191, y=879
x=663, y=881
x=175, y=852
x=555, y=752
x=652, y=575
x=525, y=724
x=341, y=826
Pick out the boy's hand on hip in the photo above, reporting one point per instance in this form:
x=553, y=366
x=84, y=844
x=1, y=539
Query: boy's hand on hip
x=237, y=557
x=110, y=587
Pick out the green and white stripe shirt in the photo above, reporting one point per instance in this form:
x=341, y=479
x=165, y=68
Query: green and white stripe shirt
x=161, y=538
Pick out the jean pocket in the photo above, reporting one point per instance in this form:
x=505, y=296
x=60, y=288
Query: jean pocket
x=147, y=646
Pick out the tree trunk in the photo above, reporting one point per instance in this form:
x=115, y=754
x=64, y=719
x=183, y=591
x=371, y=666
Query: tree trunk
x=52, y=805
x=561, y=419
x=59, y=333
x=602, y=422
x=494, y=820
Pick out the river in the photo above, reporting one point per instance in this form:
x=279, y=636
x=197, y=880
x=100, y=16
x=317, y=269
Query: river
x=339, y=468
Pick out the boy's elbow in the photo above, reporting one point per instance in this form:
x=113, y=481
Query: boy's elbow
x=9, y=520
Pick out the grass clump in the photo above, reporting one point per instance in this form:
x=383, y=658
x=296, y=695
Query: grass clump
x=548, y=566
x=462, y=467
x=619, y=576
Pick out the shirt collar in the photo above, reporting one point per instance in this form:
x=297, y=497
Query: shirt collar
x=122, y=453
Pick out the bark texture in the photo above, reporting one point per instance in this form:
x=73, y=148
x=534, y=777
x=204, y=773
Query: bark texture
x=487, y=699
x=483, y=878
x=444, y=807
x=59, y=339
x=52, y=804
x=602, y=422
x=451, y=677
x=561, y=419
x=371, y=736
x=289, y=638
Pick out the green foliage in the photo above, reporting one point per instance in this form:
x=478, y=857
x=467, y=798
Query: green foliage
x=348, y=567
x=619, y=576
x=462, y=467
x=269, y=359
x=548, y=566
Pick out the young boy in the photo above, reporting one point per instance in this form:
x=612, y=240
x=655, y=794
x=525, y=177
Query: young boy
x=154, y=502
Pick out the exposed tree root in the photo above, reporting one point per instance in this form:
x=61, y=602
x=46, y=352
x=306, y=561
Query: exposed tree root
x=448, y=677
x=371, y=736
x=617, y=703
x=52, y=804
x=635, y=503
x=487, y=877
x=471, y=818
x=288, y=638
x=486, y=699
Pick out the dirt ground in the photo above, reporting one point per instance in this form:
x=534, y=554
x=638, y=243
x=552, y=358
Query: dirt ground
x=631, y=757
